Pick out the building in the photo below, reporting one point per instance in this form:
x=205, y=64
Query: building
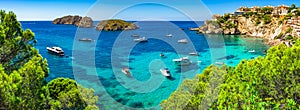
x=243, y=9
x=281, y=10
x=255, y=9
x=216, y=17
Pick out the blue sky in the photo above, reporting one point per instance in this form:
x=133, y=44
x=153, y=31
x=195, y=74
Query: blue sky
x=130, y=9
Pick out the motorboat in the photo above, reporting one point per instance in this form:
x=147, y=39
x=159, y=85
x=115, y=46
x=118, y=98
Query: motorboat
x=85, y=39
x=56, y=51
x=220, y=63
x=185, y=61
x=142, y=39
x=134, y=35
x=169, y=35
x=165, y=72
x=183, y=41
x=194, y=53
x=161, y=55
x=251, y=51
x=126, y=71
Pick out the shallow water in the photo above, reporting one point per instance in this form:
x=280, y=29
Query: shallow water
x=98, y=64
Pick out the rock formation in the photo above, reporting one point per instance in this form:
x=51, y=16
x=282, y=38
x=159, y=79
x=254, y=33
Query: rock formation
x=115, y=25
x=83, y=22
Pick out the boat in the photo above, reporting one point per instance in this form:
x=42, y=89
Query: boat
x=142, y=39
x=183, y=41
x=165, y=72
x=220, y=63
x=85, y=39
x=169, y=35
x=161, y=55
x=251, y=51
x=56, y=51
x=126, y=71
x=134, y=35
x=194, y=53
x=185, y=61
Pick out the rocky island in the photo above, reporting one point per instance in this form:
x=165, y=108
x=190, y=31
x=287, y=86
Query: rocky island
x=82, y=22
x=115, y=25
x=276, y=25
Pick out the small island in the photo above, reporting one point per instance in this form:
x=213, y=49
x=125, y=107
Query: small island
x=82, y=22
x=115, y=25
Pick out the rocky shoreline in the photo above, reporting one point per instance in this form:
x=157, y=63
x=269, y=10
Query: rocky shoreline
x=274, y=28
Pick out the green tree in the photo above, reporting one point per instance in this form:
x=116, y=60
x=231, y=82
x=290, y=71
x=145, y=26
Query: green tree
x=270, y=82
x=23, y=72
x=67, y=94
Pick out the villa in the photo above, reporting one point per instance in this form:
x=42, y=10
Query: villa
x=281, y=10
x=255, y=9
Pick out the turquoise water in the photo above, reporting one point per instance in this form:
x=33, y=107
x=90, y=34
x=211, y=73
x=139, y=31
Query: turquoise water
x=98, y=64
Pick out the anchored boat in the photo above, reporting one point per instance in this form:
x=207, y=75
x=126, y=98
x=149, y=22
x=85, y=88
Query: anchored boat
x=126, y=71
x=142, y=39
x=56, y=51
x=183, y=41
x=85, y=39
x=165, y=72
x=185, y=61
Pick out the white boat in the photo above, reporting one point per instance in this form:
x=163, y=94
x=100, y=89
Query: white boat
x=220, y=63
x=183, y=41
x=126, y=71
x=165, y=72
x=185, y=61
x=142, y=39
x=169, y=35
x=85, y=39
x=134, y=35
x=161, y=54
x=194, y=53
x=251, y=51
x=56, y=51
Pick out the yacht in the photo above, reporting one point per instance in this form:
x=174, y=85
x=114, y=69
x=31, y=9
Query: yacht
x=142, y=39
x=165, y=72
x=220, y=63
x=162, y=55
x=194, y=53
x=85, y=39
x=134, y=35
x=251, y=51
x=183, y=41
x=56, y=50
x=185, y=61
x=169, y=35
x=126, y=71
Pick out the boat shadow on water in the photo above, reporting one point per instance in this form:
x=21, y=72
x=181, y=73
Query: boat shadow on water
x=171, y=78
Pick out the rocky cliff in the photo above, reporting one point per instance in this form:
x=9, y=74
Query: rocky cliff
x=83, y=22
x=273, y=31
x=115, y=25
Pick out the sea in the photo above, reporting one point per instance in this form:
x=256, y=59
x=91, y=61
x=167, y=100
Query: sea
x=98, y=64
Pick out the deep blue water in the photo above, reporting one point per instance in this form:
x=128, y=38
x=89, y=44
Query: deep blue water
x=98, y=64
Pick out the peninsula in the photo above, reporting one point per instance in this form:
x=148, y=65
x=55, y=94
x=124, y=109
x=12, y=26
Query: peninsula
x=276, y=24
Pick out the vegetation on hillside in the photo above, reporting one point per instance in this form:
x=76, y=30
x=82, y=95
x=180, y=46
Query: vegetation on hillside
x=115, y=25
x=270, y=82
x=23, y=72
